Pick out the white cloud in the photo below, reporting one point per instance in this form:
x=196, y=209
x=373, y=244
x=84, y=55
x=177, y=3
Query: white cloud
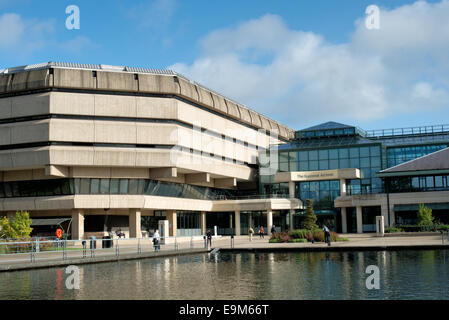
x=155, y=14
x=297, y=77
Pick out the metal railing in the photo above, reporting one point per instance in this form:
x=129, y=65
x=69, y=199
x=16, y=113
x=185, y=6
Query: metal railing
x=407, y=131
x=12, y=251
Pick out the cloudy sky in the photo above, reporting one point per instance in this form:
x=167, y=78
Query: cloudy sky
x=299, y=62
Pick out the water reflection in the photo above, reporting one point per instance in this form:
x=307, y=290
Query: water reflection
x=320, y=275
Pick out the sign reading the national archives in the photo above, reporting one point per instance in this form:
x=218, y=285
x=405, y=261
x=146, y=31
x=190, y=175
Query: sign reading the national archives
x=315, y=175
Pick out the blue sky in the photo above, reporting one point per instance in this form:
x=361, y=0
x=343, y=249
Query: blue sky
x=299, y=62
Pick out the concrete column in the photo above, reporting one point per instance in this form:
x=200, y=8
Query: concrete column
x=359, y=219
x=77, y=225
x=237, y=223
x=384, y=213
x=269, y=221
x=392, y=215
x=291, y=189
x=134, y=223
x=203, y=222
x=344, y=223
x=342, y=187
x=292, y=212
x=172, y=221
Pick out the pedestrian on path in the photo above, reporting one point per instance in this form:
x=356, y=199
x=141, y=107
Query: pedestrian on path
x=156, y=239
x=273, y=229
x=327, y=235
x=261, y=232
x=209, y=238
x=251, y=232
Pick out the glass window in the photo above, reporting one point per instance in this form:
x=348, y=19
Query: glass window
x=334, y=185
x=7, y=189
x=283, y=166
x=303, y=155
x=303, y=166
x=283, y=156
x=333, y=164
x=375, y=151
x=364, y=151
x=114, y=186
x=415, y=183
x=439, y=182
x=354, y=163
x=133, y=183
x=85, y=184
x=354, y=152
x=94, y=186
x=375, y=161
x=324, y=164
x=324, y=154
x=313, y=165
x=364, y=162
x=429, y=182
x=324, y=185
x=333, y=154
x=123, y=186
x=293, y=166
x=293, y=156
x=338, y=132
x=343, y=163
x=104, y=186
x=313, y=155
x=343, y=153
x=77, y=186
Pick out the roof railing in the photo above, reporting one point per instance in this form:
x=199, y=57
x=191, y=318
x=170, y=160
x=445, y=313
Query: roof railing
x=407, y=131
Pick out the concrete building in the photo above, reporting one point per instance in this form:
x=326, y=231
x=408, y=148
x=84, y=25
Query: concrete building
x=355, y=175
x=120, y=148
x=117, y=147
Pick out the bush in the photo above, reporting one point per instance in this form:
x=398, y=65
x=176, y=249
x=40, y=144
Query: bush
x=299, y=240
x=342, y=239
x=299, y=234
x=393, y=230
x=273, y=241
x=444, y=227
x=416, y=228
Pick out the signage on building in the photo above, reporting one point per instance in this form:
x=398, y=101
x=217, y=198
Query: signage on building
x=59, y=233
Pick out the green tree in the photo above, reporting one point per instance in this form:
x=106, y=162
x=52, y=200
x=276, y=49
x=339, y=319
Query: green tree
x=425, y=217
x=310, y=217
x=16, y=227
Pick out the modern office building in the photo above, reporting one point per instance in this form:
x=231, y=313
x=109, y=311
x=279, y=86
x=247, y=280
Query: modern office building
x=105, y=146
x=100, y=148
x=355, y=175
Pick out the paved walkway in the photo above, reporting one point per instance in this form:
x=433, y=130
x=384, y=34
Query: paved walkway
x=129, y=250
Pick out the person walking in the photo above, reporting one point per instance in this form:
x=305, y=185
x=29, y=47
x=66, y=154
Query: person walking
x=156, y=239
x=261, y=232
x=209, y=238
x=251, y=232
x=327, y=235
x=273, y=229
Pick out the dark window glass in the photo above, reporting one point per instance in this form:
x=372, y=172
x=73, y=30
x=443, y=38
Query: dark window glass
x=303, y=166
x=439, y=182
x=324, y=154
x=104, y=186
x=364, y=162
x=133, y=183
x=85, y=186
x=375, y=161
x=354, y=163
x=303, y=155
x=77, y=186
x=343, y=153
x=313, y=155
x=333, y=154
x=7, y=189
x=343, y=163
x=94, y=186
x=114, y=186
x=354, y=153
x=333, y=164
x=313, y=165
x=429, y=182
x=324, y=164
x=364, y=152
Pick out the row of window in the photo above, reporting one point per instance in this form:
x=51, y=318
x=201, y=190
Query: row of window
x=325, y=133
x=400, y=155
x=188, y=220
x=425, y=183
x=59, y=187
x=325, y=154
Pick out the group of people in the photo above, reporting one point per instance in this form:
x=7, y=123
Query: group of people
x=261, y=232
